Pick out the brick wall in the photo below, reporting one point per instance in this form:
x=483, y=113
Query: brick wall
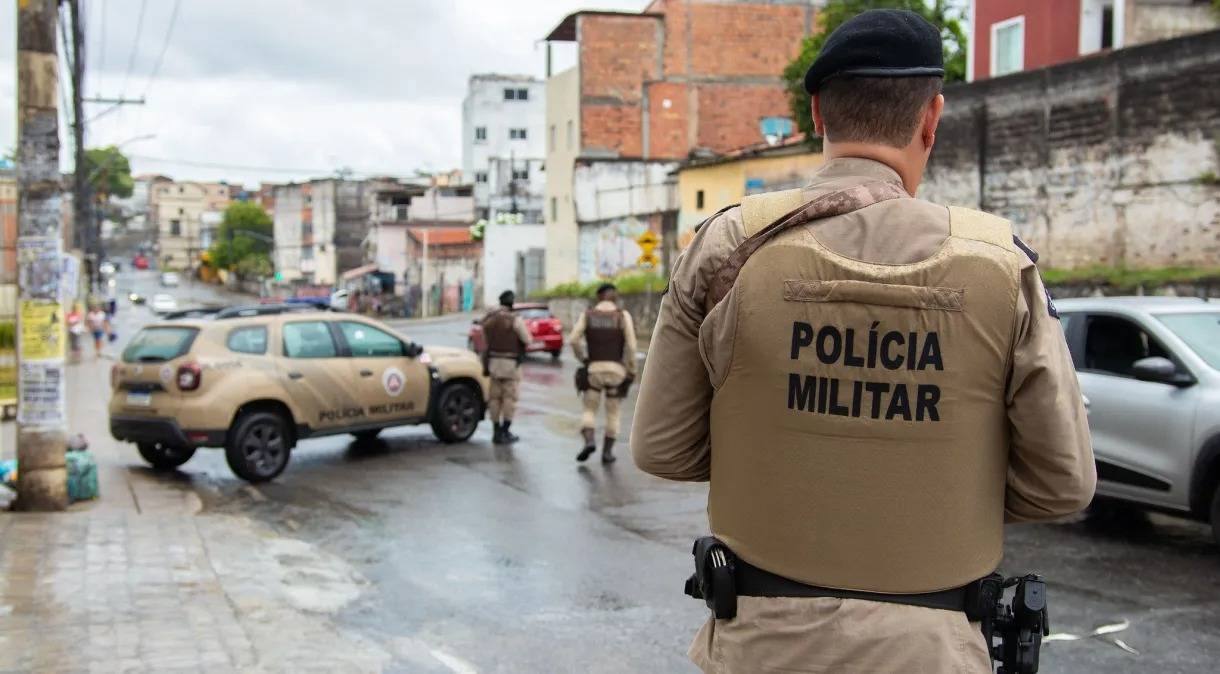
x=1097, y=161
x=729, y=114
x=717, y=64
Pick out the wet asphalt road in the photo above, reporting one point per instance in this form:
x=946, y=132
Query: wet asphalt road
x=521, y=560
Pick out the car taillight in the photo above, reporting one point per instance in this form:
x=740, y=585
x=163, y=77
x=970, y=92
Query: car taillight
x=189, y=377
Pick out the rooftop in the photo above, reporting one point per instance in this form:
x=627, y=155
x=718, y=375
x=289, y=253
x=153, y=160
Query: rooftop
x=441, y=236
x=566, y=30
x=791, y=145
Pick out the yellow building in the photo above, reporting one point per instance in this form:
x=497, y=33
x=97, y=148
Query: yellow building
x=707, y=185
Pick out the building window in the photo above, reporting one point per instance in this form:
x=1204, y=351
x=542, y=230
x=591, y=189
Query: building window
x=521, y=174
x=306, y=229
x=307, y=253
x=175, y=227
x=516, y=134
x=181, y=211
x=569, y=134
x=480, y=176
x=554, y=209
x=480, y=133
x=699, y=200
x=516, y=94
x=1008, y=46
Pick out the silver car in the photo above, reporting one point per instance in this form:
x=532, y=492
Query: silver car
x=1149, y=368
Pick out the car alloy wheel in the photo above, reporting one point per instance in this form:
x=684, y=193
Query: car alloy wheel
x=264, y=448
x=458, y=412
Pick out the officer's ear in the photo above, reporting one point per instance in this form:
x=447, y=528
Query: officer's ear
x=819, y=126
x=931, y=119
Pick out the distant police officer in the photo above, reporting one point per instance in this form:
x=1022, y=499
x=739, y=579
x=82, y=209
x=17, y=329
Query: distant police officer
x=872, y=383
x=506, y=337
x=609, y=356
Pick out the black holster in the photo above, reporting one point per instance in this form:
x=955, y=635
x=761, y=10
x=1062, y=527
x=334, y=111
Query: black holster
x=581, y=379
x=713, y=580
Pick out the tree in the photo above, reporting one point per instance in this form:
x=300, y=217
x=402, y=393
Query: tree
x=940, y=13
x=243, y=240
x=108, y=172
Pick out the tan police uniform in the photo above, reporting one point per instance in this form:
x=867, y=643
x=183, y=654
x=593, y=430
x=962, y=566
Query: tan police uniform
x=506, y=337
x=883, y=389
x=605, y=337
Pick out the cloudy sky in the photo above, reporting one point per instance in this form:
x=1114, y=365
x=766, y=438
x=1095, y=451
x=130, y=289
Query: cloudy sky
x=252, y=90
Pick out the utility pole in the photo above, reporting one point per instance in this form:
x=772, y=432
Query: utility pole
x=82, y=201
x=42, y=482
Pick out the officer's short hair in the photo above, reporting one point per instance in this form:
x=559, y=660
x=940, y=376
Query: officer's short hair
x=605, y=288
x=507, y=298
x=879, y=110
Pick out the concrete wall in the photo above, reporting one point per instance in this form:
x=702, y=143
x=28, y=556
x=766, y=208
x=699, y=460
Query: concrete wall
x=615, y=202
x=562, y=114
x=286, y=228
x=501, y=246
x=1152, y=20
x=322, y=269
x=1096, y=161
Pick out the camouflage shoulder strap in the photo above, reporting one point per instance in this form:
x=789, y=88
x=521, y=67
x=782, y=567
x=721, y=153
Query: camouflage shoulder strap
x=836, y=203
x=966, y=223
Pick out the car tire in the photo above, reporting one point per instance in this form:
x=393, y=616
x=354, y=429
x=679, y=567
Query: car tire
x=458, y=410
x=258, y=447
x=1215, y=513
x=164, y=457
x=556, y=353
x=366, y=436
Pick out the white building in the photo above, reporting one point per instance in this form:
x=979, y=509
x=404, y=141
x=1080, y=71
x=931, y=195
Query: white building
x=503, y=144
x=513, y=259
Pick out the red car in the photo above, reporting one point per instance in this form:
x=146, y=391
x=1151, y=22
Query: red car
x=140, y=262
x=546, y=330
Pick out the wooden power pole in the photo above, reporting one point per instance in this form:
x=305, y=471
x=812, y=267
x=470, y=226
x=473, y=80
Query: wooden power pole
x=42, y=482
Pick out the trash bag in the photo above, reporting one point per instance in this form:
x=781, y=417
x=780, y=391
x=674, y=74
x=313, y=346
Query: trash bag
x=82, y=476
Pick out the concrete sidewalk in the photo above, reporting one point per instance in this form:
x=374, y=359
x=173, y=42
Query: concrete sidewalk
x=145, y=580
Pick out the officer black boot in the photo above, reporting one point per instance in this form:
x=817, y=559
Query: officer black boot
x=590, y=445
x=506, y=435
x=608, y=451
x=497, y=433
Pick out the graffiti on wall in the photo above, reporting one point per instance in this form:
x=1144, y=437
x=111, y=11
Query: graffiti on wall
x=608, y=248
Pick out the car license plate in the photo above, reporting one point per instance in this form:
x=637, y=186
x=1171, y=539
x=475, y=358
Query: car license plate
x=139, y=399
x=537, y=345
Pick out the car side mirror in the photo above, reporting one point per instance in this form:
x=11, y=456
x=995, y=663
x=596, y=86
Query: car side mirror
x=413, y=350
x=1161, y=370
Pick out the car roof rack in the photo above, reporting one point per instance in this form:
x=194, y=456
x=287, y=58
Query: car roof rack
x=192, y=312
x=263, y=310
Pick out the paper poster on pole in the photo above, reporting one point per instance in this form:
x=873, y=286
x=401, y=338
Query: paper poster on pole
x=69, y=278
x=40, y=267
x=41, y=399
x=42, y=330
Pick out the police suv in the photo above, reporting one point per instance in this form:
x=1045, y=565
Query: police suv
x=256, y=380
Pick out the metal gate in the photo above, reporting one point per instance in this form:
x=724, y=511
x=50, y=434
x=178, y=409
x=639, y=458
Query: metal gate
x=531, y=272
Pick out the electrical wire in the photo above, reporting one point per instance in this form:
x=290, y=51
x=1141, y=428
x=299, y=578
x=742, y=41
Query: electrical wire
x=169, y=32
x=135, y=47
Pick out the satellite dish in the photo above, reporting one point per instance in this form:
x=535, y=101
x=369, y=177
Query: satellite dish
x=775, y=129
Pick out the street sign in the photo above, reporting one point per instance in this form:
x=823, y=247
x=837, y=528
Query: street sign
x=647, y=241
x=648, y=260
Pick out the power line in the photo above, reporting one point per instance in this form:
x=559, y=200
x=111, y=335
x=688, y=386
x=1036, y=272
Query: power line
x=169, y=31
x=135, y=47
x=235, y=167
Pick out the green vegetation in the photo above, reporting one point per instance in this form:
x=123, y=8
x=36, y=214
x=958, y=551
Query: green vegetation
x=1124, y=279
x=244, y=241
x=1209, y=178
x=628, y=284
x=108, y=173
x=941, y=13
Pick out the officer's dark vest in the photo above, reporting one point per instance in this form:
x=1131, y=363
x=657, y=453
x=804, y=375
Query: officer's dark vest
x=502, y=339
x=860, y=438
x=604, y=334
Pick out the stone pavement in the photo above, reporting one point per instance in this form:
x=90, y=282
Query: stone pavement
x=145, y=580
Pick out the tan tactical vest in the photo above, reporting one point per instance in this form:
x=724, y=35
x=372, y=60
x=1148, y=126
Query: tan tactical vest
x=604, y=334
x=859, y=440
x=502, y=339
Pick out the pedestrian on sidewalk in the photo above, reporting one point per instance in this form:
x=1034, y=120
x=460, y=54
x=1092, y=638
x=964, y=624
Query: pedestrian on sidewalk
x=99, y=326
x=76, y=330
x=603, y=340
x=506, y=337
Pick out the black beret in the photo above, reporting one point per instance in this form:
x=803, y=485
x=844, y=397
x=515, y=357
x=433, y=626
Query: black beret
x=507, y=298
x=879, y=43
x=604, y=287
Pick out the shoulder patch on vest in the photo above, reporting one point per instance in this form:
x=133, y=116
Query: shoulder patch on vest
x=967, y=223
x=760, y=210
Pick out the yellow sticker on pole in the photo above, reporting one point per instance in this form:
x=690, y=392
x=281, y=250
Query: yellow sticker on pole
x=42, y=330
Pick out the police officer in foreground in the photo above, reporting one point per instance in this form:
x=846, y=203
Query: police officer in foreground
x=506, y=337
x=872, y=383
x=609, y=357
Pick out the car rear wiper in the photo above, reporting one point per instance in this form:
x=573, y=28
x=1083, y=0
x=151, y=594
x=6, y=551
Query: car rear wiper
x=151, y=359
